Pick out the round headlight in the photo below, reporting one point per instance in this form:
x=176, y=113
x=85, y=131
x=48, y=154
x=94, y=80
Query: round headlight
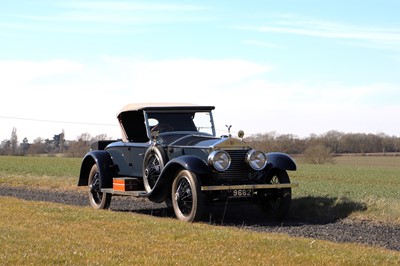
x=256, y=159
x=220, y=160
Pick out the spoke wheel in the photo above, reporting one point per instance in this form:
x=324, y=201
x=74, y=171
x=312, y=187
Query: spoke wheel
x=153, y=164
x=276, y=202
x=97, y=199
x=187, y=198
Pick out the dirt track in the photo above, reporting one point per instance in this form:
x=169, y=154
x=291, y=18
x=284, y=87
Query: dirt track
x=250, y=218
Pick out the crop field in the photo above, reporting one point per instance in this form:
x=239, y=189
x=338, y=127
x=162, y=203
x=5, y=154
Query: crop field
x=48, y=233
x=40, y=172
x=362, y=186
x=367, y=187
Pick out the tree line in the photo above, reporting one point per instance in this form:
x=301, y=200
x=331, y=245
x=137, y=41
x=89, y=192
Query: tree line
x=57, y=145
x=327, y=144
x=337, y=142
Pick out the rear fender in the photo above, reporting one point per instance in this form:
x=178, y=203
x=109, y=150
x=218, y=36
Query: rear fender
x=162, y=188
x=105, y=167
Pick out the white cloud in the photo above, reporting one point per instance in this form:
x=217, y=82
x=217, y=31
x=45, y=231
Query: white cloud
x=74, y=91
x=120, y=12
x=69, y=91
x=17, y=72
x=102, y=17
x=195, y=75
x=260, y=44
x=382, y=37
x=129, y=6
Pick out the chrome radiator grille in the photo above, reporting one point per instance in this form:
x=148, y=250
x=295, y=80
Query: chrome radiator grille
x=238, y=169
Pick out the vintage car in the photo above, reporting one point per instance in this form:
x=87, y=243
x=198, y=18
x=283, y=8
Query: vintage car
x=170, y=153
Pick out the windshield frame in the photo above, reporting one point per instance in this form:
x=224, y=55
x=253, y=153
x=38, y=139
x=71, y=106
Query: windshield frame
x=148, y=116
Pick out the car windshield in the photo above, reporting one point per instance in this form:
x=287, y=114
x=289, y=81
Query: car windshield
x=181, y=121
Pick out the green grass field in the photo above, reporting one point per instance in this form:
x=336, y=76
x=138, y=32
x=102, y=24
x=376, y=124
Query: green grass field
x=40, y=172
x=369, y=185
x=38, y=233
x=359, y=186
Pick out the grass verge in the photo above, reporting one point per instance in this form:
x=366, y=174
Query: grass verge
x=41, y=233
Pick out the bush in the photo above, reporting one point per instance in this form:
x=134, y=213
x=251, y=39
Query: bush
x=318, y=154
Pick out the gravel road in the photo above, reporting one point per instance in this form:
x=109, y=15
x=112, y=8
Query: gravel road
x=245, y=217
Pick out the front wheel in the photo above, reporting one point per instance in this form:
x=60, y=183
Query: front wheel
x=187, y=198
x=276, y=202
x=97, y=198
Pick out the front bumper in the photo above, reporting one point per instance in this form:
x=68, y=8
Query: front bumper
x=253, y=187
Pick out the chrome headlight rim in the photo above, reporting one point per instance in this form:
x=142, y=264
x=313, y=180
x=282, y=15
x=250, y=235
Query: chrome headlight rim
x=257, y=160
x=219, y=160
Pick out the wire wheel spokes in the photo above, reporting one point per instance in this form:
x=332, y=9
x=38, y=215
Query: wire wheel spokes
x=95, y=188
x=153, y=170
x=276, y=198
x=184, y=196
x=276, y=202
x=275, y=180
x=97, y=198
x=187, y=197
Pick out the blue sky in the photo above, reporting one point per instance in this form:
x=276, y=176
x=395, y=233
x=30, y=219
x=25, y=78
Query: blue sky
x=297, y=67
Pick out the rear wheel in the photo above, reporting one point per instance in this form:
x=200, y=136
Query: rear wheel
x=276, y=202
x=97, y=198
x=187, y=198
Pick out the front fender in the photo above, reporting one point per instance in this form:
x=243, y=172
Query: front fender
x=162, y=188
x=105, y=167
x=281, y=161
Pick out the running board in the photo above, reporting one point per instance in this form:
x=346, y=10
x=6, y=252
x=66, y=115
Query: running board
x=254, y=186
x=125, y=193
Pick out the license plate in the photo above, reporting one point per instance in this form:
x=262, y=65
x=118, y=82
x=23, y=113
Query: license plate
x=239, y=193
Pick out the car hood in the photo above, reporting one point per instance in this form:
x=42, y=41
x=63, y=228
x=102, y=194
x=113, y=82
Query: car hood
x=200, y=141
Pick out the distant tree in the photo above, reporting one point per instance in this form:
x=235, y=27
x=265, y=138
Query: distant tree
x=100, y=137
x=37, y=147
x=24, y=146
x=385, y=142
x=14, y=141
x=5, y=147
x=58, y=142
x=79, y=147
x=318, y=154
x=352, y=143
x=265, y=142
x=332, y=139
x=396, y=143
x=338, y=142
x=286, y=143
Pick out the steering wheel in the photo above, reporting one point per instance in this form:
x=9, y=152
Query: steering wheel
x=162, y=128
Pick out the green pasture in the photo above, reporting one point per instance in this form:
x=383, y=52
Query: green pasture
x=358, y=186
x=356, y=177
x=39, y=172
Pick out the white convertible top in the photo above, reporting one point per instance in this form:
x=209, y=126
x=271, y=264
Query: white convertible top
x=132, y=119
x=142, y=106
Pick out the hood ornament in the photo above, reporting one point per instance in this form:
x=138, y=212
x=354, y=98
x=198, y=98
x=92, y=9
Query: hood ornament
x=240, y=133
x=229, y=130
